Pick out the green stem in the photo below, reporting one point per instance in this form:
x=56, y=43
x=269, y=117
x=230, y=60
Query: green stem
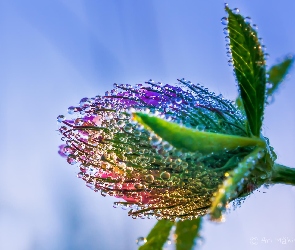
x=282, y=174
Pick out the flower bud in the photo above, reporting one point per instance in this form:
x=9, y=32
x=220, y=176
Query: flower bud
x=118, y=157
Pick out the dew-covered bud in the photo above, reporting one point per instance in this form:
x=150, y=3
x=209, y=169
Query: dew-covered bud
x=116, y=156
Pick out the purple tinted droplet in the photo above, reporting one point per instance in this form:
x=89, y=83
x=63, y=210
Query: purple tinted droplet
x=61, y=151
x=71, y=110
x=83, y=101
x=72, y=159
x=60, y=118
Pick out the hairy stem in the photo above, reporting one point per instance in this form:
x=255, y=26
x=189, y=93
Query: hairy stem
x=282, y=174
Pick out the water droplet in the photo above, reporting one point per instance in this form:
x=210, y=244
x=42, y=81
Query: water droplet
x=165, y=175
x=270, y=99
x=68, y=150
x=236, y=11
x=83, y=101
x=178, y=100
x=141, y=151
x=225, y=31
x=122, y=116
x=227, y=39
x=137, y=132
x=268, y=85
x=90, y=185
x=121, y=123
x=71, y=159
x=266, y=55
x=149, y=178
x=260, y=155
x=199, y=241
x=255, y=26
x=103, y=193
x=71, y=110
x=230, y=62
x=263, y=48
x=184, y=165
x=129, y=151
x=227, y=46
x=60, y=118
x=166, y=146
x=248, y=20
x=167, y=243
x=155, y=140
x=128, y=128
x=224, y=21
x=138, y=186
x=140, y=241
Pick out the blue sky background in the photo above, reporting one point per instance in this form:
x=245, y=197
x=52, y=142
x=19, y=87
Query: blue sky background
x=54, y=52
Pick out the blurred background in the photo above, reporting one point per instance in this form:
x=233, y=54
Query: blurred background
x=55, y=52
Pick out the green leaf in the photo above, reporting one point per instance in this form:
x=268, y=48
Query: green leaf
x=193, y=140
x=283, y=175
x=231, y=187
x=249, y=67
x=186, y=233
x=158, y=235
x=239, y=103
x=277, y=73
